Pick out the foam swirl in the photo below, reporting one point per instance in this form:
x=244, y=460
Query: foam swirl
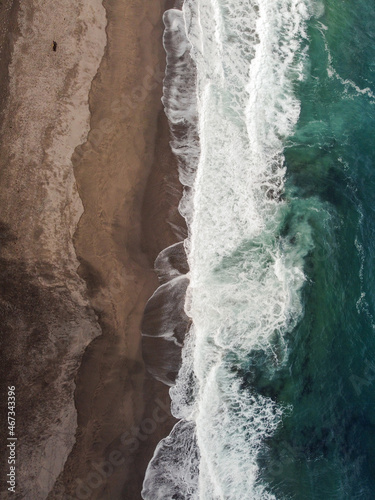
x=245, y=276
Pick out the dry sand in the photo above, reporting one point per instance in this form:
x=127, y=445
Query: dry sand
x=46, y=319
x=127, y=182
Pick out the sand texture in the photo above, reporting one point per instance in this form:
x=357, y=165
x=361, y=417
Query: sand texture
x=87, y=202
x=46, y=318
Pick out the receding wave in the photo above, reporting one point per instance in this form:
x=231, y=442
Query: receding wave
x=229, y=96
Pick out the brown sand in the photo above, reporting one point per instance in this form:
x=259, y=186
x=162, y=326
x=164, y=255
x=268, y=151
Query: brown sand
x=45, y=317
x=127, y=181
x=8, y=20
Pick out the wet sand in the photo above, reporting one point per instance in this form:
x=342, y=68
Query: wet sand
x=127, y=180
x=79, y=238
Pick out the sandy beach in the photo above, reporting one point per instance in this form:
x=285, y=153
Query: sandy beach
x=89, y=194
x=117, y=246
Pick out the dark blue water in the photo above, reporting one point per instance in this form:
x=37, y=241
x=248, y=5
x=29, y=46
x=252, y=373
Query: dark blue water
x=325, y=448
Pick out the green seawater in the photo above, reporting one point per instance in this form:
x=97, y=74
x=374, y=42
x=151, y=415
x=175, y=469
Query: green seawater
x=325, y=448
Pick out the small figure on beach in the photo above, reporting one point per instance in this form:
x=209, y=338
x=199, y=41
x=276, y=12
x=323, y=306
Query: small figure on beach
x=54, y=46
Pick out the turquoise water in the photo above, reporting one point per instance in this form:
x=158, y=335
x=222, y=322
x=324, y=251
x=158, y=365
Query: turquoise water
x=275, y=394
x=326, y=446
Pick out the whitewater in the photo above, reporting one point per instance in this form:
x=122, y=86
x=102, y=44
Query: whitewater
x=229, y=96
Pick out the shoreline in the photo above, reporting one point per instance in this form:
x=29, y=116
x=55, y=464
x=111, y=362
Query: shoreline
x=75, y=312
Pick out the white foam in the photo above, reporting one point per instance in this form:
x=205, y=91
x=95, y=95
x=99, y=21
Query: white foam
x=348, y=84
x=245, y=284
x=177, y=458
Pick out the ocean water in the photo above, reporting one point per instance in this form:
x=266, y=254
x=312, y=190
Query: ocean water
x=272, y=107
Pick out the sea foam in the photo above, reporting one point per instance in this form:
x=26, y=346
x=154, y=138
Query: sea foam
x=236, y=106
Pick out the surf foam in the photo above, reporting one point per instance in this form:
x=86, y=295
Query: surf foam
x=245, y=277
